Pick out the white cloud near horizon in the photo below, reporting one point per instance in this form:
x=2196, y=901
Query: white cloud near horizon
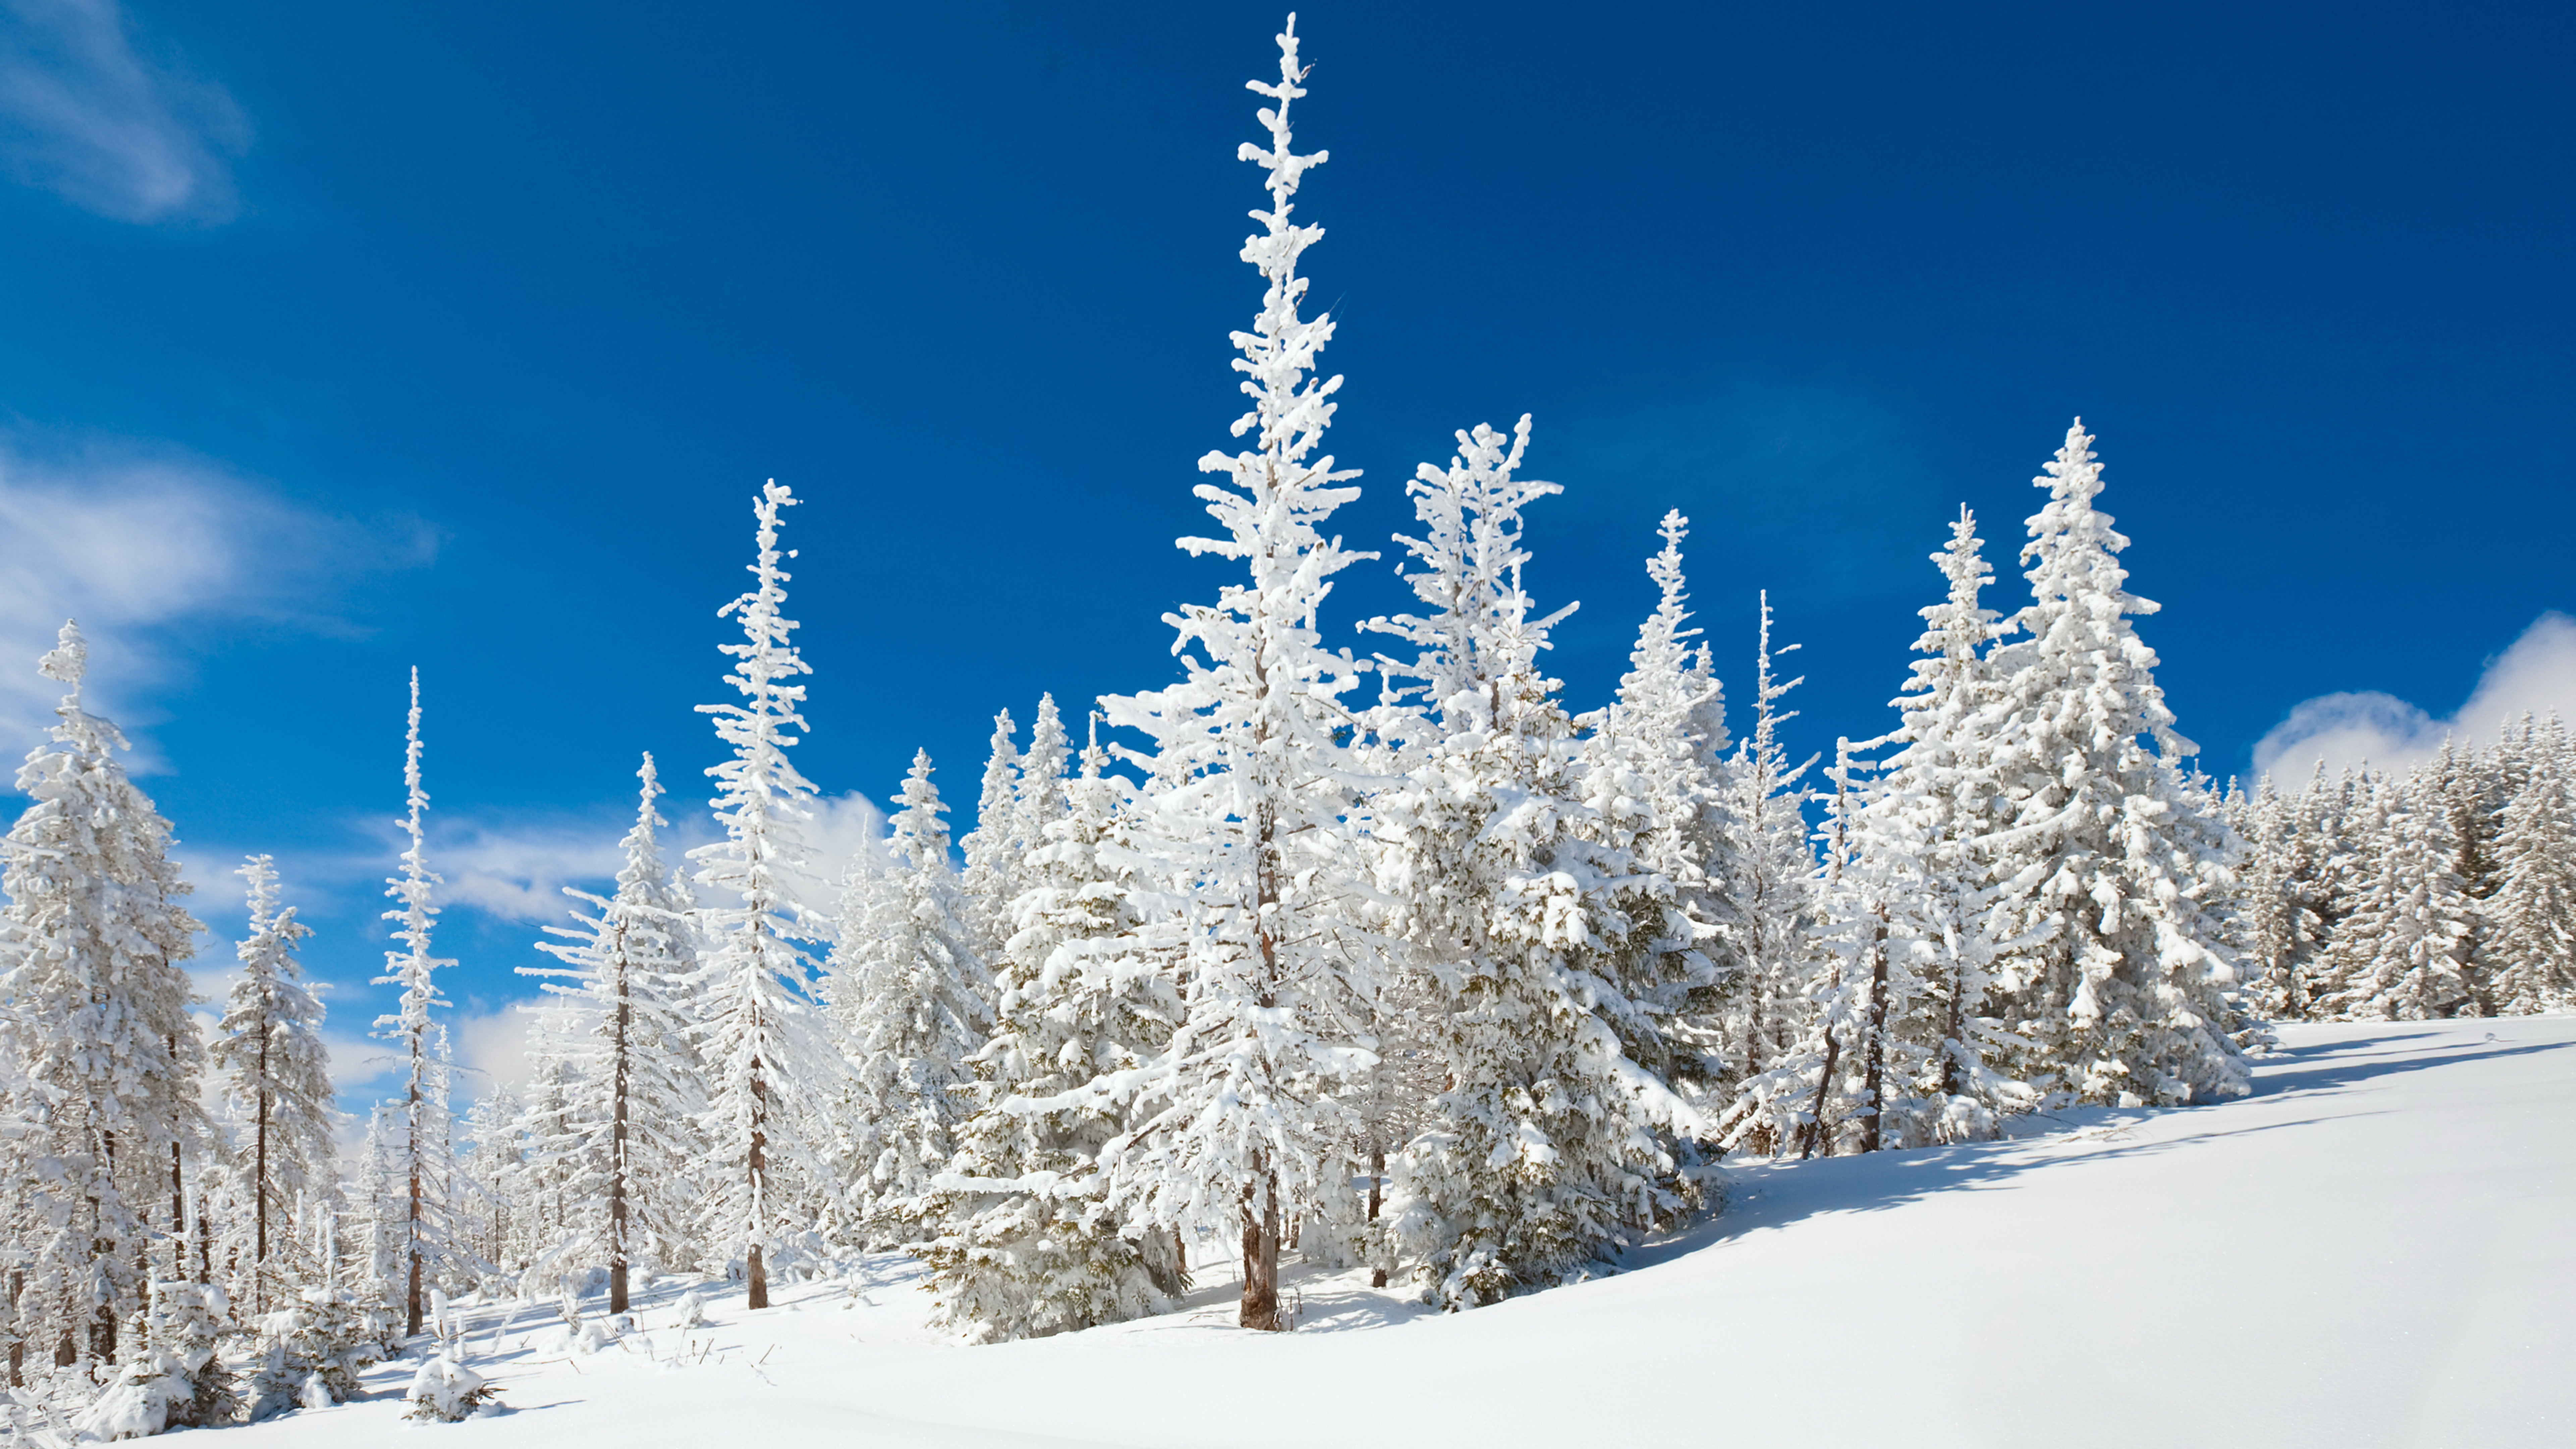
x=518, y=872
x=2535, y=675
x=517, y=869
x=88, y=114
x=129, y=539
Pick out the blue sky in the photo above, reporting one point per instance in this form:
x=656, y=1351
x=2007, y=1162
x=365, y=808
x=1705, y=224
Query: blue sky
x=336, y=339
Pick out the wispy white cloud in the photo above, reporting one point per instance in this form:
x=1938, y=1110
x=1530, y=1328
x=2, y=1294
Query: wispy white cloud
x=518, y=872
x=88, y=114
x=2536, y=675
x=845, y=829
x=516, y=868
x=129, y=539
x=491, y=1051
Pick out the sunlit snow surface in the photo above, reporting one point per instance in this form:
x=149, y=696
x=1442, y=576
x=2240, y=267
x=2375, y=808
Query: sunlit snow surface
x=2378, y=1248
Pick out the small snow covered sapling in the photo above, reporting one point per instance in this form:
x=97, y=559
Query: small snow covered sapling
x=316, y=1351
x=446, y=1391
x=179, y=1381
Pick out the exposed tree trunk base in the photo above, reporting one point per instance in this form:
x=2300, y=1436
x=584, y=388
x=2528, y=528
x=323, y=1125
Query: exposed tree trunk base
x=755, y=1279
x=1377, y=1186
x=1260, y=1311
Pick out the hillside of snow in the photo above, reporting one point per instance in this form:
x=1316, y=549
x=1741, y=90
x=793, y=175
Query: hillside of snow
x=2375, y=1249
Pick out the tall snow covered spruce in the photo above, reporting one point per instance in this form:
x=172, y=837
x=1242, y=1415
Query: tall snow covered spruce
x=1899, y=1043
x=1025, y=1244
x=1247, y=803
x=101, y=1056
x=413, y=969
x=1549, y=1146
x=276, y=1075
x=2104, y=852
x=1770, y=886
x=628, y=1149
x=910, y=1000
x=758, y=1032
x=1652, y=776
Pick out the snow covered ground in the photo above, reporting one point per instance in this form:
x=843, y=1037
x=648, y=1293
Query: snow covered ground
x=2377, y=1249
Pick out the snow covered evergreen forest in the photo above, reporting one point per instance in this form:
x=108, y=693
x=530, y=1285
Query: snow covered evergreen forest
x=1355, y=948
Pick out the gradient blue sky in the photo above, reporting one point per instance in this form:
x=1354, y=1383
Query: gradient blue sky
x=335, y=339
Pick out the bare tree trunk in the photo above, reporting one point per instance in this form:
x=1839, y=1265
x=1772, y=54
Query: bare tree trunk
x=1951, y=1041
x=755, y=1275
x=1816, y=1118
x=102, y=1328
x=259, y=1187
x=411, y=1149
x=1875, y=1062
x=178, y=1216
x=17, y=1330
x=1377, y=1183
x=617, y=1160
x=1260, y=1310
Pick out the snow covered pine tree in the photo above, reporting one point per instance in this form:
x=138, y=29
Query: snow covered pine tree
x=413, y=968
x=1542, y=1155
x=2104, y=851
x=276, y=1073
x=104, y=1056
x=633, y=1085
x=1247, y=804
x=758, y=1033
x=910, y=1002
x=1025, y=1243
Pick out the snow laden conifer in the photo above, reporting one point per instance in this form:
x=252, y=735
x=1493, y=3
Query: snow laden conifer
x=1939, y=789
x=994, y=847
x=1023, y=795
x=757, y=1033
x=1917, y=839
x=1044, y=794
x=2403, y=953
x=627, y=1150
x=1247, y=803
x=1900, y=1045
x=1025, y=1243
x=408, y=1026
x=910, y=1003
x=276, y=1076
x=1770, y=887
x=1829, y=1084
x=2104, y=853
x=1548, y=1148
x=1648, y=777
x=103, y=1058
x=2287, y=892
x=2529, y=954
x=177, y=1379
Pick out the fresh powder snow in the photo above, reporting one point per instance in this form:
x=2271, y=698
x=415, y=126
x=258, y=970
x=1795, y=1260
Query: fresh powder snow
x=2372, y=1249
